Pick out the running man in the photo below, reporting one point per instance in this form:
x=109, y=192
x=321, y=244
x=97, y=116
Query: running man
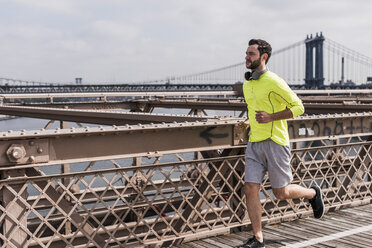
x=270, y=102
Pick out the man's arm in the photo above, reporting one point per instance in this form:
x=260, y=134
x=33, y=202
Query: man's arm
x=263, y=117
x=285, y=95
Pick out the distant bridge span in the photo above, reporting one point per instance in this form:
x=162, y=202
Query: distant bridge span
x=313, y=63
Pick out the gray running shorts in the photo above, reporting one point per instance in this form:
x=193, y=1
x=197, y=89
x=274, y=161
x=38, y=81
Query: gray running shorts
x=268, y=156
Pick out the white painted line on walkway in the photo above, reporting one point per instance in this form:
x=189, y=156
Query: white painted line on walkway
x=329, y=237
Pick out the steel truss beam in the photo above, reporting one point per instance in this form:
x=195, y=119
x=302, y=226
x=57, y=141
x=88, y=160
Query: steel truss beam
x=105, y=95
x=239, y=105
x=110, y=118
x=96, y=117
x=76, y=145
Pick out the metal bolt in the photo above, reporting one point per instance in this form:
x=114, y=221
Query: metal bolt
x=31, y=159
x=39, y=150
x=16, y=154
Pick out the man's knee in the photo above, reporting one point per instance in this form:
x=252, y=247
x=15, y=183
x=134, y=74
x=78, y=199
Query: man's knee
x=251, y=188
x=280, y=194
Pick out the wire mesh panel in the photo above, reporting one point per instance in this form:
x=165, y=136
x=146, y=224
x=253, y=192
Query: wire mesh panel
x=162, y=199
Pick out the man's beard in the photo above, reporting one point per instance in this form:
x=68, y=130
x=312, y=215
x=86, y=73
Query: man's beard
x=255, y=64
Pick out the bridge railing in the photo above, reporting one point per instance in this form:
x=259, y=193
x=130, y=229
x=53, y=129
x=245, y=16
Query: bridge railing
x=158, y=185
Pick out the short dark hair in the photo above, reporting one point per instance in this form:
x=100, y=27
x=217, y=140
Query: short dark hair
x=263, y=47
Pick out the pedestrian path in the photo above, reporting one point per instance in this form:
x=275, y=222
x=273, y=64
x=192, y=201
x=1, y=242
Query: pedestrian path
x=349, y=227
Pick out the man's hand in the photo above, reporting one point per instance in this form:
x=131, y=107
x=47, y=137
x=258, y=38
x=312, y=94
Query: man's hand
x=263, y=117
x=242, y=127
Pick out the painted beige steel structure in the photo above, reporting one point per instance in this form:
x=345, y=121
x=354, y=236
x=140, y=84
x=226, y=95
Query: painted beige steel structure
x=166, y=181
x=198, y=103
x=160, y=184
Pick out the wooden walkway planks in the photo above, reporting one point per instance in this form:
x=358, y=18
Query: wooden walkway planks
x=350, y=227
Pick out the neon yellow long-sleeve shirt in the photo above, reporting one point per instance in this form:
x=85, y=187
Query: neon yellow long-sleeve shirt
x=271, y=94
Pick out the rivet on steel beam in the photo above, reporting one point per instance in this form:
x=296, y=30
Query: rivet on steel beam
x=32, y=142
x=31, y=159
x=10, y=131
x=75, y=188
x=39, y=150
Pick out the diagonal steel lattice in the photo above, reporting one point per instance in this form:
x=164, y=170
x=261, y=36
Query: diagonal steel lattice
x=164, y=200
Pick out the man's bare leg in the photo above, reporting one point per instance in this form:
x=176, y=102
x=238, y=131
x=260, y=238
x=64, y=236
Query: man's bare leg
x=293, y=191
x=254, y=208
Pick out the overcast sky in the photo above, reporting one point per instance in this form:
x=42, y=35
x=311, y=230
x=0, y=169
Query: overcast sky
x=134, y=40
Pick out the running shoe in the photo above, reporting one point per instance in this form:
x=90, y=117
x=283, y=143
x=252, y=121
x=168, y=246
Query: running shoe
x=252, y=243
x=317, y=203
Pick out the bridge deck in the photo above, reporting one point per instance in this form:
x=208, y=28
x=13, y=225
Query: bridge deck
x=350, y=227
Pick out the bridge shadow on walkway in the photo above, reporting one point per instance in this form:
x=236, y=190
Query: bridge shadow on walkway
x=349, y=227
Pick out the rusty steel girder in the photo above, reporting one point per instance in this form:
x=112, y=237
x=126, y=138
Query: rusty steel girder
x=79, y=144
x=330, y=125
x=54, y=111
x=76, y=145
x=95, y=117
x=312, y=103
x=239, y=105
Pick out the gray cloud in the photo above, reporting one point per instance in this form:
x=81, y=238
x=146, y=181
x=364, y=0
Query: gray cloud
x=124, y=41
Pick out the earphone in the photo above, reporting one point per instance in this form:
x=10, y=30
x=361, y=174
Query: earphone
x=248, y=75
x=254, y=75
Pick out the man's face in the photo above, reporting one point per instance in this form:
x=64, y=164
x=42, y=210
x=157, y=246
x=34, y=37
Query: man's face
x=252, y=58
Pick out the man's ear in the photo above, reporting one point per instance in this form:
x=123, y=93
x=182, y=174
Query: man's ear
x=264, y=56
